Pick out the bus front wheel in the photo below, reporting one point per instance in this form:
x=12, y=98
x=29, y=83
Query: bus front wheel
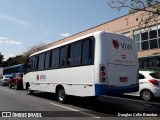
x=61, y=95
x=10, y=86
x=29, y=91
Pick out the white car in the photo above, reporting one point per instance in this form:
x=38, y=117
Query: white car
x=5, y=80
x=149, y=85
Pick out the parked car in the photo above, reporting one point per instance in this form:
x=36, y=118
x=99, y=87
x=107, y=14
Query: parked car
x=5, y=80
x=16, y=81
x=149, y=85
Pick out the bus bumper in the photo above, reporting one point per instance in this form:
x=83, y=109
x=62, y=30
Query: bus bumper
x=102, y=89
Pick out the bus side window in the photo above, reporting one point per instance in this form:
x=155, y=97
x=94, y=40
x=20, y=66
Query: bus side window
x=69, y=55
x=55, y=58
x=75, y=54
x=63, y=56
x=41, y=61
x=36, y=62
x=47, y=60
x=32, y=63
x=87, y=49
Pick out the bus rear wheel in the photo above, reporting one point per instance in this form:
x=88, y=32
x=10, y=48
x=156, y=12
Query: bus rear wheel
x=61, y=95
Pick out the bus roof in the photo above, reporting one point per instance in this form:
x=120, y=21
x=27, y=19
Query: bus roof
x=85, y=36
x=12, y=66
x=73, y=40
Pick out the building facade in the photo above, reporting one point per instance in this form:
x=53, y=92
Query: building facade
x=147, y=40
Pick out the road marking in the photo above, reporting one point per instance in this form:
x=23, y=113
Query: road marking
x=7, y=90
x=75, y=110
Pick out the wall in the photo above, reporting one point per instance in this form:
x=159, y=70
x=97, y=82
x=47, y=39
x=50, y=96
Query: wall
x=127, y=23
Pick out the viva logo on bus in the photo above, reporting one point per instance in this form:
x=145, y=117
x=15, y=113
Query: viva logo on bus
x=41, y=77
x=122, y=45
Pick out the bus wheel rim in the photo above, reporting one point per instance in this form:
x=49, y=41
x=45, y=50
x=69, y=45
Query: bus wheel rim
x=61, y=95
x=28, y=90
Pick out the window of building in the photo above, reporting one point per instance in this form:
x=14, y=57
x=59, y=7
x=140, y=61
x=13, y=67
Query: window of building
x=153, y=44
x=137, y=41
x=153, y=39
x=158, y=32
x=55, y=58
x=147, y=38
x=153, y=34
x=138, y=46
x=145, y=45
x=144, y=36
x=137, y=37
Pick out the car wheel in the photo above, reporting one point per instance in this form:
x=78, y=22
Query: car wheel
x=16, y=86
x=10, y=86
x=146, y=95
x=61, y=95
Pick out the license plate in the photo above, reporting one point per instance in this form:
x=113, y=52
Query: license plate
x=123, y=79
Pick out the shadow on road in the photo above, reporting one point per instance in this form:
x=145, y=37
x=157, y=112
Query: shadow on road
x=108, y=105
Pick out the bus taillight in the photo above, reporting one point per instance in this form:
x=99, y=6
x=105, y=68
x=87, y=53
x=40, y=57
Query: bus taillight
x=102, y=68
x=102, y=73
x=103, y=79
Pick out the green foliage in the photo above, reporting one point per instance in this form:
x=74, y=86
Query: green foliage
x=19, y=59
x=1, y=59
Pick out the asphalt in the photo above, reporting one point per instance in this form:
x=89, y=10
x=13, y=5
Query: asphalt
x=23, y=106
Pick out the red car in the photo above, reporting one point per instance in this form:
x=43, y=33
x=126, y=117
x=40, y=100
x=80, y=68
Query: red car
x=16, y=81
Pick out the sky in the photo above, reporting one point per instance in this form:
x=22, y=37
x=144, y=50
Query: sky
x=25, y=23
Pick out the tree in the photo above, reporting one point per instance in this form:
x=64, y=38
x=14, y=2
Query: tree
x=150, y=9
x=20, y=59
x=33, y=49
x=1, y=59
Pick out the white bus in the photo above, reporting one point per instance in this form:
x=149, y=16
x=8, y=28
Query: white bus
x=100, y=63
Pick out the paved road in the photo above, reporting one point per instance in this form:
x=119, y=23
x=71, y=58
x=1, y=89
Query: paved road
x=105, y=107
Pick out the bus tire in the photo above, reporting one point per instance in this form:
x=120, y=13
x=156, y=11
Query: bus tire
x=61, y=95
x=29, y=91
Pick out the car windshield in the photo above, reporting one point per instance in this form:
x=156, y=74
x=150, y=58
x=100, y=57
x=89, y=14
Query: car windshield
x=155, y=75
x=8, y=76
